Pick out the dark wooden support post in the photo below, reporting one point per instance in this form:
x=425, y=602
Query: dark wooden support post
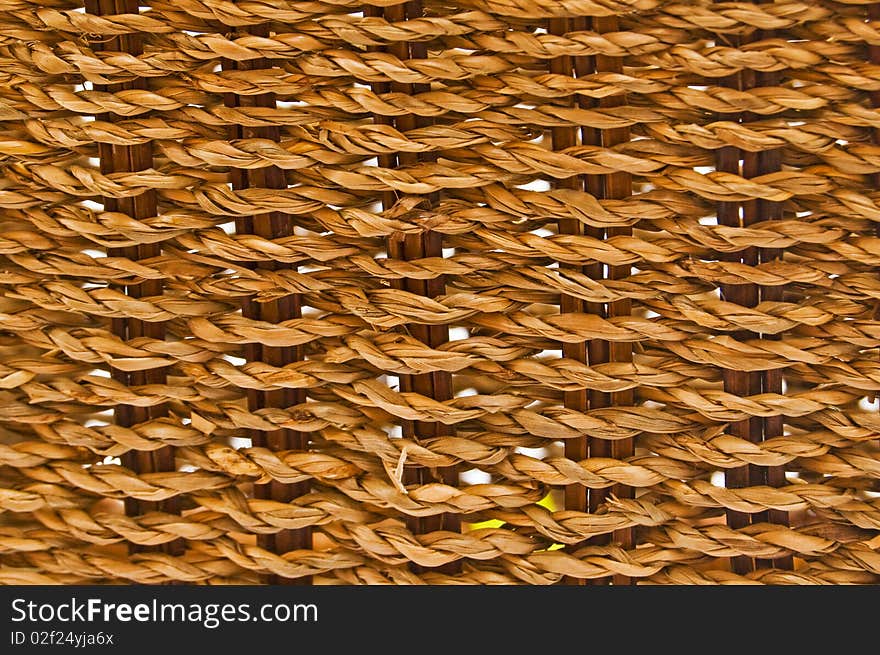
x=271, y=225
x=120, y=159
x=730, y=159
x=436, y=385
x=615, y=185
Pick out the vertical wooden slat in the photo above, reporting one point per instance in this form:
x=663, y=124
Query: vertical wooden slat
x=874, y=58
x=575, y=495
x=438, y=384
x=742, y=383
x=756, y=164
x=271, y=225
x=738, y=383
x=617, y=186
x=117, y=159
x=612, y=186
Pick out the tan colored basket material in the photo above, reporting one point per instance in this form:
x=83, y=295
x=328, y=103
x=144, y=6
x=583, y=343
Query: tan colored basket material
x=476, y=292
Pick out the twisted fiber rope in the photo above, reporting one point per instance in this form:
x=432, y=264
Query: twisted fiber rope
x=768, y=538
x=489, y=110
x=318, y=416
x=104, y=529
x=483, y=408
x=253, y=154
x=622, y=250
x=306, y=331
x=496, y=92
x=723, y=17
x=716, y=62
x=780, y=318
x=393, y=307
x=200, y=564
x=395, y=545
x=828, y=454
x=179, y=527
x=433, y=498
x=426, y=178
x=277, y=514
x=398, y=403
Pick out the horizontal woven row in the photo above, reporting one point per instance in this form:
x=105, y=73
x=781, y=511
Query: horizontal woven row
x=468, y=292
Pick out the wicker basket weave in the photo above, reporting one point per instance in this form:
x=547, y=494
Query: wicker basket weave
x=471, y=292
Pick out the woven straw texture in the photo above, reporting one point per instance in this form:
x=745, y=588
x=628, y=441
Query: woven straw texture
x=447, y=292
